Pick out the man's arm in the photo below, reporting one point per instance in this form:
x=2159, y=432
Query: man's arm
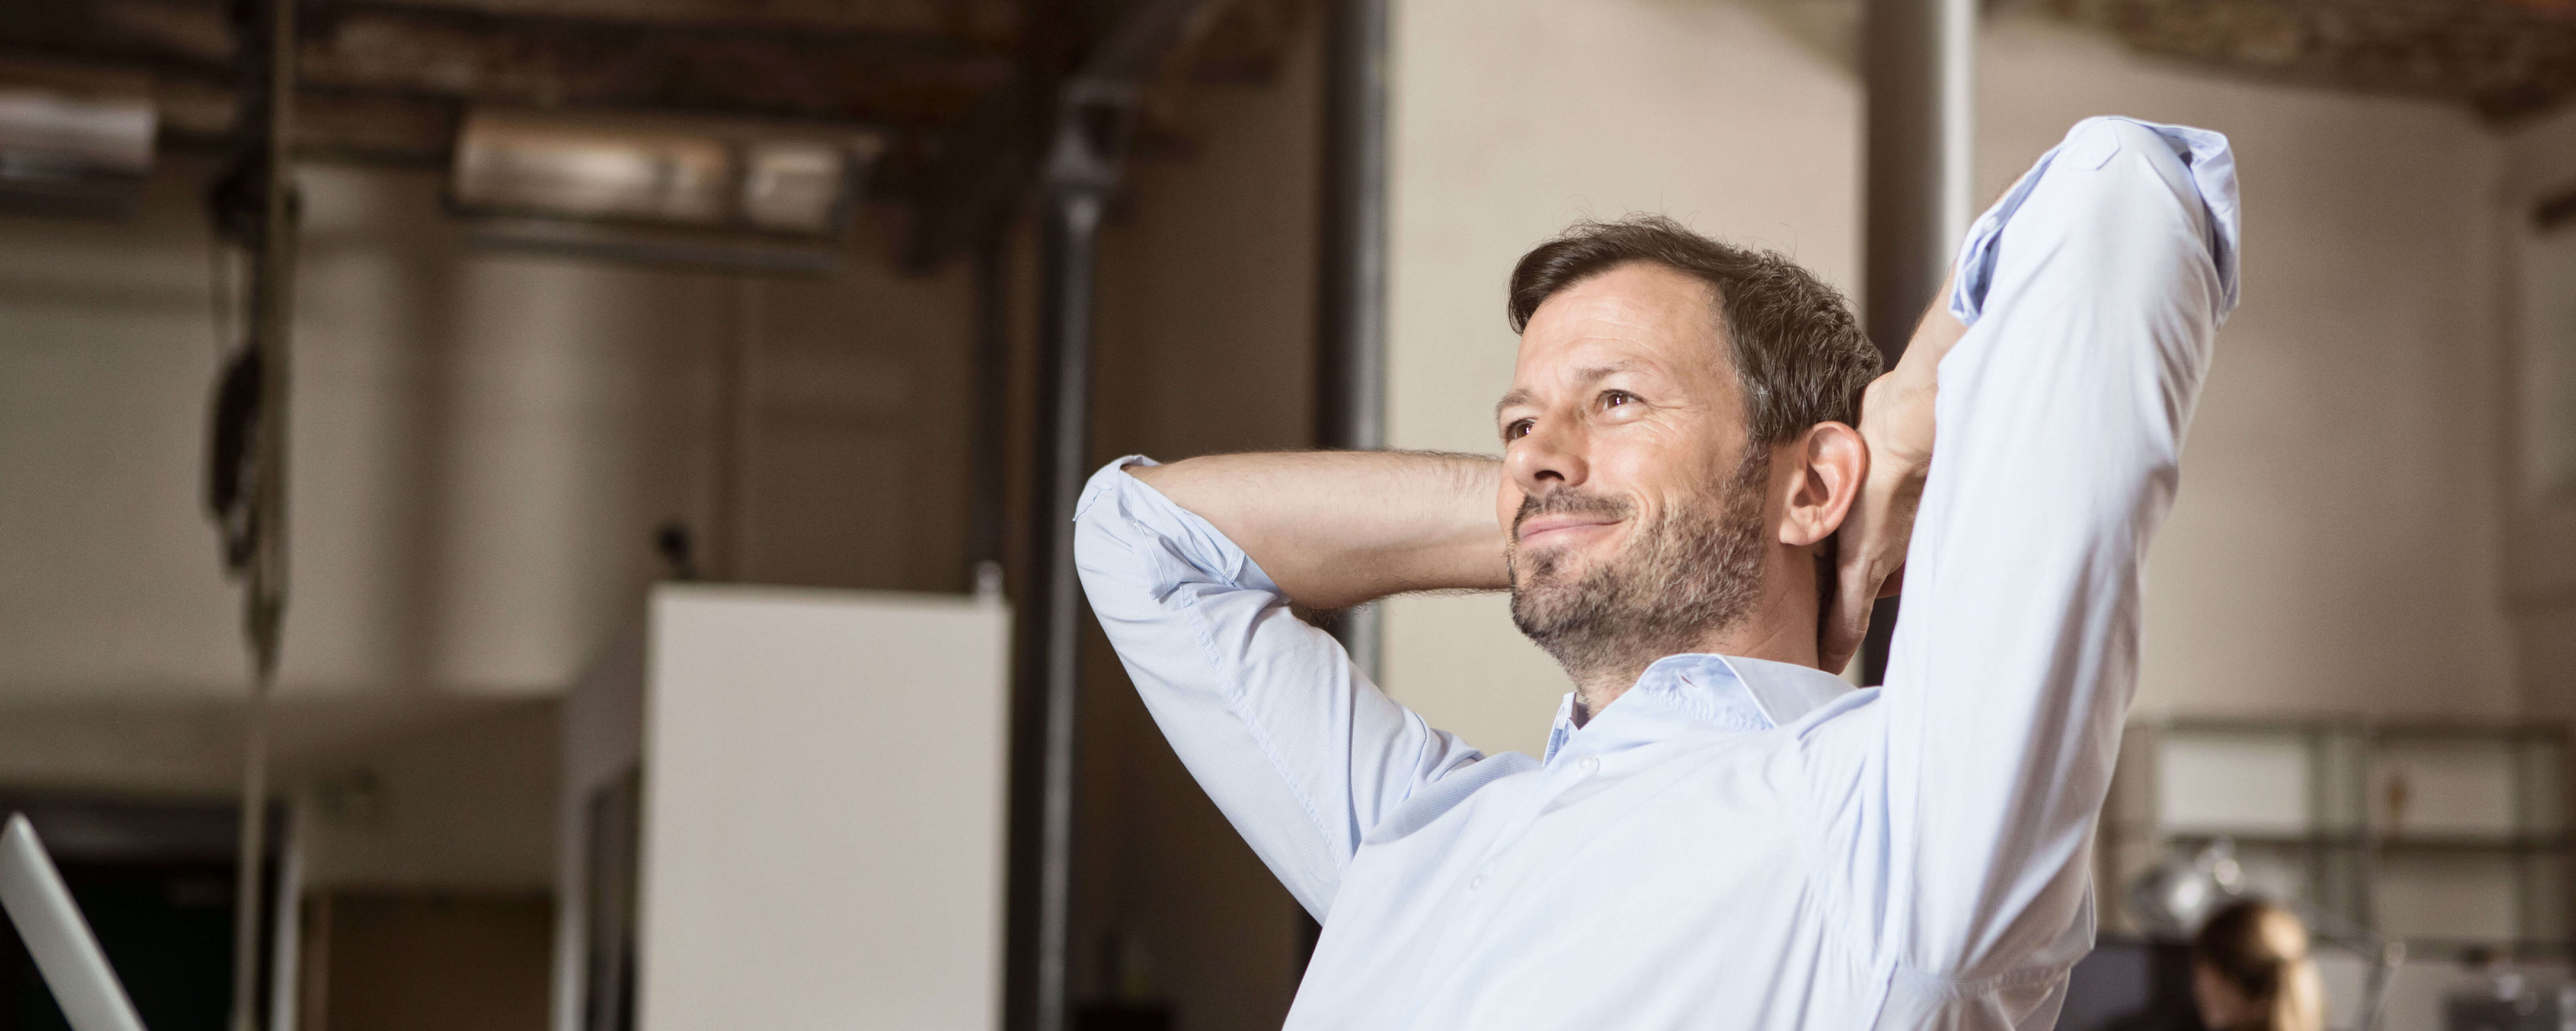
x=2060, y=415
x=1302, y=753
x=1336, y=528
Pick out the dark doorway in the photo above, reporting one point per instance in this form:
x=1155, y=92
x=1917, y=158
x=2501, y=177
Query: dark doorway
x=155, y=880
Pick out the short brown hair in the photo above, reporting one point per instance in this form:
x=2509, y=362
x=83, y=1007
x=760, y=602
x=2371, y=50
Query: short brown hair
x=1798, y=351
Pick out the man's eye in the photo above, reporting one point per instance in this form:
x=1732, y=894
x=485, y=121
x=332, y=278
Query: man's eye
x=1615, y=398
x=1516, y=429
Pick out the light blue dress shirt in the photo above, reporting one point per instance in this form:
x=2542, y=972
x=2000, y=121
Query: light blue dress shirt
x=1736, y=843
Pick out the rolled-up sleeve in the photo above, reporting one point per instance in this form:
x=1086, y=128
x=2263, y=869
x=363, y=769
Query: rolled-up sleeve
x=1295, y=744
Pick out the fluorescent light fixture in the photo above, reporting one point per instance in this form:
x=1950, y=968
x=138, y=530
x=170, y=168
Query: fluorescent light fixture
x=715, y=175
x=590, y=173
x=793, y=186
x=73, y=141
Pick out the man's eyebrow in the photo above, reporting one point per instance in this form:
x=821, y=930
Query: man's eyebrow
x=1585, y=376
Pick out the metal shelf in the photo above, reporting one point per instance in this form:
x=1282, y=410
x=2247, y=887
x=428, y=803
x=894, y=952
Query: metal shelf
x=2503, y=844
x=2332, y=811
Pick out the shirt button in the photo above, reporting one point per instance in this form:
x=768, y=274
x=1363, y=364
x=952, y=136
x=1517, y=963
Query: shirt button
x=1591, y=765
x=1478, y=884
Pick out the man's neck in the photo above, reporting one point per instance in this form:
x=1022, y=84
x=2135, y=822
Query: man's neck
x=1783, y=629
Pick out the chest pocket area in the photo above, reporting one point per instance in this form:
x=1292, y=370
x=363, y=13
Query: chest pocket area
x=1437, y=799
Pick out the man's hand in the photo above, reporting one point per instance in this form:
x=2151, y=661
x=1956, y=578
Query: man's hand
x=1896, y=423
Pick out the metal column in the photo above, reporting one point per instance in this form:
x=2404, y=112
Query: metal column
x=1095, y=116
x=1350, y=351
x=1081, y=172
x=1921, y=59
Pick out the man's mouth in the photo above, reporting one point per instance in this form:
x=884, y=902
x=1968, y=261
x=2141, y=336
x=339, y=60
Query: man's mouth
x=1554, y=528
x=1565, y=517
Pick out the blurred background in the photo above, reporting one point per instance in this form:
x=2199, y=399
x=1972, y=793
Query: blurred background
x=597, y=467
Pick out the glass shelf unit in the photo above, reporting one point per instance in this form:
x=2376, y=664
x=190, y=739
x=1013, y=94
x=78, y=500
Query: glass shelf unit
x=2449, y=835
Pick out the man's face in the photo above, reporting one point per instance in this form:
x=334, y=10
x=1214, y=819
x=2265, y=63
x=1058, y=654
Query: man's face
x=1634, y=522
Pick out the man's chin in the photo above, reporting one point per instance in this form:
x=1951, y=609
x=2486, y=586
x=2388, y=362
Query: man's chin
x=1545, y=603
x=1565, y=564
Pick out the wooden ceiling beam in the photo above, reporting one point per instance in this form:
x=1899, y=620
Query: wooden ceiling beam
x=984, y=22
x=2508, y=59
x=896, y=81
x=386, y=80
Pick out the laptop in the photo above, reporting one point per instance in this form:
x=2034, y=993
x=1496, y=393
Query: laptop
x=57, y=938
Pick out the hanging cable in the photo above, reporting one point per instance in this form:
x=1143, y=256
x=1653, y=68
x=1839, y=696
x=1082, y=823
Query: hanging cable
x=252, y=205
x=220, y=292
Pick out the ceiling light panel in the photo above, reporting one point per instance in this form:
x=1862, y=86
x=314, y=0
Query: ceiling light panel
x=791, y=179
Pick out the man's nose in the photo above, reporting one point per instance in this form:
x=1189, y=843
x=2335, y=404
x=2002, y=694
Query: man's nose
x=1549, y=458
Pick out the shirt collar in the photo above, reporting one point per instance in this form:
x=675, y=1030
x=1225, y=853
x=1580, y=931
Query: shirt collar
x=1698, y=691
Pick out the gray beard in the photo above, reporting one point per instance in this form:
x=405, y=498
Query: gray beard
x=1695, y=572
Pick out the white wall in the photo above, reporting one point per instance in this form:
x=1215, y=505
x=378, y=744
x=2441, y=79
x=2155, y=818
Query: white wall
x=2540, y=163
x=481, y=445
x=2338, y=542
x=484, y=443
x=1512, y=118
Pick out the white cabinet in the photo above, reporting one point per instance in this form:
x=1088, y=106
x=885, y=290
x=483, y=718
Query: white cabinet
x=784, y=809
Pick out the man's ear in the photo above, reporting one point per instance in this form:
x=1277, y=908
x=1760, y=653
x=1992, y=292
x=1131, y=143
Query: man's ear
x=1828, y=462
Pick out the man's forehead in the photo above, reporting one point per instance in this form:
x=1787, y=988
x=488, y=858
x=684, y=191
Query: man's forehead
x=1636, y=316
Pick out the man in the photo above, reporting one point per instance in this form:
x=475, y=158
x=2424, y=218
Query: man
x=1694, y=506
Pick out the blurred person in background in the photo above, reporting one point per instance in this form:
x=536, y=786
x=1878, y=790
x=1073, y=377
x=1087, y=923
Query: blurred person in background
x=1704, y=484
x=2250, y=971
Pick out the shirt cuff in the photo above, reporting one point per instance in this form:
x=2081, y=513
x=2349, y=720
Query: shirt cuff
x=1130, y=508
x=2090, y=144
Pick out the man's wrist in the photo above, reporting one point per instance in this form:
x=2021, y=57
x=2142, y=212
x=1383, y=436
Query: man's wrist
x=1897, y=421
x=1145, y=472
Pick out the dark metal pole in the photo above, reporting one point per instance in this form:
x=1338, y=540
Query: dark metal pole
x=1095, y=115
x=1082, y=170
x=1350, y=285
x=992, y=261
x=1920, y=56
x=1350, y=352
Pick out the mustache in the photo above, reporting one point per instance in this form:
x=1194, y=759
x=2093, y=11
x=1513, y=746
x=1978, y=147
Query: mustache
x=1569, y=502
